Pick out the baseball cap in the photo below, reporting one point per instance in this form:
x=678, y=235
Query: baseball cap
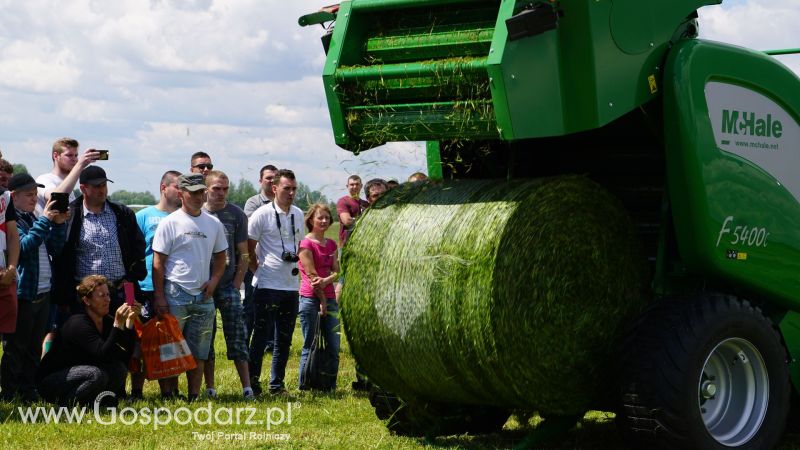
x=93, y=175
x=191, y=182
x=22, y=181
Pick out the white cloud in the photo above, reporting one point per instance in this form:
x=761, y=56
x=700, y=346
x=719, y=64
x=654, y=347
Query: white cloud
x=85, y=110
x=755, y=24
x=758, y=24
x=155, y=81
x=37, y=65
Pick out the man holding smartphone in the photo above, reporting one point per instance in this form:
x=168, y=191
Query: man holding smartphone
x=67, y=167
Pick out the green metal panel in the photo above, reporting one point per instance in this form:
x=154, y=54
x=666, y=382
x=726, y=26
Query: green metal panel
x=525, y=78
x=434, y=158
x=597, y=66
x=733, y=153
x=342, y=46
x=451, y=63
x=790, y=329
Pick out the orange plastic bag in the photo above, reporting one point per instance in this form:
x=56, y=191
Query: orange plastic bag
x=164, y=350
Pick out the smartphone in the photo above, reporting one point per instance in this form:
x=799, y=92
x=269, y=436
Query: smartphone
x=103, y=154
x=129, y=295
x=61, y=200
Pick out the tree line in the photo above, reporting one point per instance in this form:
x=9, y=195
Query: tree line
x=238, y=194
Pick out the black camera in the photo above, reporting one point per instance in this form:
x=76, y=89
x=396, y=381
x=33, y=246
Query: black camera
x=290, y=256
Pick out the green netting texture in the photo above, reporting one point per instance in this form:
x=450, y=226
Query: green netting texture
x=493, y=292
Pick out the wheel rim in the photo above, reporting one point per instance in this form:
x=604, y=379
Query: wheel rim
x=733, y=392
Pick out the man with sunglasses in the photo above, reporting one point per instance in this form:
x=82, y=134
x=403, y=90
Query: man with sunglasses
x=277, y=229
x=201, y=163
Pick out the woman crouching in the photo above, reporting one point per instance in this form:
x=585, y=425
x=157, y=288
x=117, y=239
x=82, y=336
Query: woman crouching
x=90, y=351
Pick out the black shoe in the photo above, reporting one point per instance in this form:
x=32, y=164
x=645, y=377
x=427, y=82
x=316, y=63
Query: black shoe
x=256, y=386
x=136, y=395
x=109, y=401
x=281, y=393
x=360, y=385
x=276, y=391
x=172, y=396
x=29, y=397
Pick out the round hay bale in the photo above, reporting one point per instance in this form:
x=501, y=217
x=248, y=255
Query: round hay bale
x=505, y=293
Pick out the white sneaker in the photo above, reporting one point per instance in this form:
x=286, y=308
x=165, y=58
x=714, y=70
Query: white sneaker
x=248, y=394
x=211, y=393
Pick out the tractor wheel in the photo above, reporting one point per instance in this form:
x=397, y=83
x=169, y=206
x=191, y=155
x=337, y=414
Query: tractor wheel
x=705, y=372
x=417, y=418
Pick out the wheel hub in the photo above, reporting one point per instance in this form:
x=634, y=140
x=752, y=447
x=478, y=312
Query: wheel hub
x=733, y=392
x=708, y=389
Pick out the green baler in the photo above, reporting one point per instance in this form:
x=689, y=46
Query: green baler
x=699, y=142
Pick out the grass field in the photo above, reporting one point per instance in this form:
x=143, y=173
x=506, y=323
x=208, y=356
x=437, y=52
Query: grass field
x=343, y=419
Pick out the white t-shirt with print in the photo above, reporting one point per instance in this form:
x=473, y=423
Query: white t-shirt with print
x=189, y=242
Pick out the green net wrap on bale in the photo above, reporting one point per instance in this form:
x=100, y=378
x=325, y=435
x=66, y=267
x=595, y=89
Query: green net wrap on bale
x=493, y=292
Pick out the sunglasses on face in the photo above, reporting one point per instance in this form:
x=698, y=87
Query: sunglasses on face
x=204, y=166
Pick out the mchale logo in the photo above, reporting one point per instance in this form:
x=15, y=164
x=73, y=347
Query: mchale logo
x=749, y=125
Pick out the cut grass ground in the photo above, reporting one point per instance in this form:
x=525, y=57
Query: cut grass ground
x=343, y=419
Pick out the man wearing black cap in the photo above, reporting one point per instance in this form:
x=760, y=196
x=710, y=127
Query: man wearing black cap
x=22, y=350
x=102, y=239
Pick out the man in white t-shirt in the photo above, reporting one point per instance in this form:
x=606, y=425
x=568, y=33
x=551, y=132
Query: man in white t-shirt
x=184, y=245
x=67, y=169
x=277, y=229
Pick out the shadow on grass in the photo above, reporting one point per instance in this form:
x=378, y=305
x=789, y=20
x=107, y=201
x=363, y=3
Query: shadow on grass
x=594, y=431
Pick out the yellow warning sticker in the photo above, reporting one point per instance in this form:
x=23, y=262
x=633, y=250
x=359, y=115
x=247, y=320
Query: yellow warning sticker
x=653, y=86
x=741, y=256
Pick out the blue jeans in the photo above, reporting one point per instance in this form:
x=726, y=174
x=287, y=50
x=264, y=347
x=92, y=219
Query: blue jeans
x=195, y=316
x=309, y=314
x=276, y=315
x=248, y=311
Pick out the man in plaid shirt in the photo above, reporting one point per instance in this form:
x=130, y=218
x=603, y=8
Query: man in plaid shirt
x=103, y=238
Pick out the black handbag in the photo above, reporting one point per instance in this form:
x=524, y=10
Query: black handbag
x=317, y=373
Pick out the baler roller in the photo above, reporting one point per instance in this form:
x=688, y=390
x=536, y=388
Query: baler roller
x=422, y=69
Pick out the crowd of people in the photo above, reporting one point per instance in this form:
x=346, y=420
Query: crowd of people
x=68, y=333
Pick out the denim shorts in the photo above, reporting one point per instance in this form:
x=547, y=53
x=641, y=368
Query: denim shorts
x=195, y=316
x=229, y=302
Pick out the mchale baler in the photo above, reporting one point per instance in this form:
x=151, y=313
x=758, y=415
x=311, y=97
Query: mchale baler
x=613, y=221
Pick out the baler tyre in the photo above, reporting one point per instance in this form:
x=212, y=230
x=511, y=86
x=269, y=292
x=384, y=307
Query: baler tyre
x=418, y=418
x=705, y=372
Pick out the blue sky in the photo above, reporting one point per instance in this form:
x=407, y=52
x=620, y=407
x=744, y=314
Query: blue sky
x=154, y=81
